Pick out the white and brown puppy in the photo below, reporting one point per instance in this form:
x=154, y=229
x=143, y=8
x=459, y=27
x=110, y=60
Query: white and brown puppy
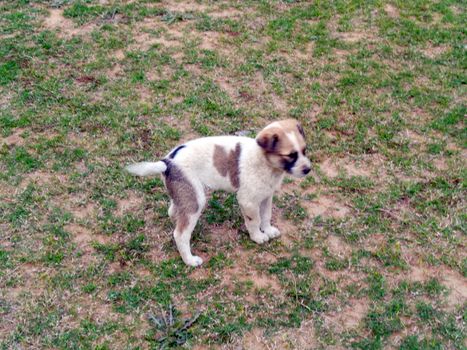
x=253, y=168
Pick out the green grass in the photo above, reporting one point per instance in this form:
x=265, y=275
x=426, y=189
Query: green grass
x=86, y=254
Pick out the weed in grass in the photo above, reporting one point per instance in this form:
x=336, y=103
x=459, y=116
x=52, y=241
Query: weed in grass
x=412, y=342
x=170, y=330
x=425, y=311
x=293, y=210
x=377, y=285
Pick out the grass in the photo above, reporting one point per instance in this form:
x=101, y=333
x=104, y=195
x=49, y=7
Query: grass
x=372, y=251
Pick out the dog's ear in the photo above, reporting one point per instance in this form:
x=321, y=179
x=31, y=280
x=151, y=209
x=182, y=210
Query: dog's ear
x=268, y=139
x=300, y=130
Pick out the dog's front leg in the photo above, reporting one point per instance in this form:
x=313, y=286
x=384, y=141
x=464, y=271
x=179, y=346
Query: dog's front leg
x=252, y=218
x=266, y=213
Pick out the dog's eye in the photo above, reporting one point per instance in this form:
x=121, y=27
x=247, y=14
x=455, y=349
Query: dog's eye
x=293, y=155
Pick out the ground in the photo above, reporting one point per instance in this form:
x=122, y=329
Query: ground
x=373, y=246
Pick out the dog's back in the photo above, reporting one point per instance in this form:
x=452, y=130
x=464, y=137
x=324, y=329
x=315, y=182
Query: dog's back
x=214, y=161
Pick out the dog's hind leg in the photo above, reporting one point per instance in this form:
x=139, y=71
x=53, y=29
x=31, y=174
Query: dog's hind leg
x=187, y=202
x=186, y=222
x=266, y=213
x=182, y=235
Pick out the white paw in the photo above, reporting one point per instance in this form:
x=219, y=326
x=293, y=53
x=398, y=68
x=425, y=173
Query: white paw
x=193, y=261
x=272, y=232
x=260, y=237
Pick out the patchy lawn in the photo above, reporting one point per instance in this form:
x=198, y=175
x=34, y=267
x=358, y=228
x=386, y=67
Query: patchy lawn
x=373, y=251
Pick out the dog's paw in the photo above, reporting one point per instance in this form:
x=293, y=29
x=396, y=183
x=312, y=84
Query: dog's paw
x=260, y=237
x=272, y=232
x=194, y=261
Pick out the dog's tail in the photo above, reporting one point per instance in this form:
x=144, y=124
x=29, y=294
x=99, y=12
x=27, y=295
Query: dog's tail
x=146, y=168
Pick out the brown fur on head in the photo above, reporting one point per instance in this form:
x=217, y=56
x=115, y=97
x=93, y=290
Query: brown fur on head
x=284, y=146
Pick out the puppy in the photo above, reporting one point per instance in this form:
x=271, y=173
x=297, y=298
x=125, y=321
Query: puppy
x=253, y=168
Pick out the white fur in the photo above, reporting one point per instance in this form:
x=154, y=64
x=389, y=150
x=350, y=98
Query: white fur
x=146, y=168
x=258, y=182
x=196, y=160
x=302, y=161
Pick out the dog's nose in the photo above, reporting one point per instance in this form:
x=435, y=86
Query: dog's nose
x=306, y=170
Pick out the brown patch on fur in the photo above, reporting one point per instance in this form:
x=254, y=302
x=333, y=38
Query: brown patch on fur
x=228, y=164
x=182, y=193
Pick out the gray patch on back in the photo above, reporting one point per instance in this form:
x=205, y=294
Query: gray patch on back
x=228, y=163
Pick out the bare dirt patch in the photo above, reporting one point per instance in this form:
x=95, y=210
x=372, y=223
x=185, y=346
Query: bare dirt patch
x=83, y=212
x=119, y=54
x=220, y=235
x=226, y=13
x=353, y=37
x=331, y=168
x=391, y=11
x=291, y=338
x=356, y=170
x=144, y=34
x=457, y=286
x=349, y=316
x=43, y=178
x=132, y=202
x=95, y=308
x=226, y=84
x=262, y=281
x=337, y=246
x=15, y=139
x=326, y=206
x=241, y=271
x=213, y=41
x=440, y=164
x=210, y=40
x=144, y=41
x=83, y=238
x=115, y=72
x=279, y=104
x=435, y=51
x=452, y=280
x=145, y=94
x=289, y=231
x=184, y=6
x=258, y=83
x=29, y=282
x=65, y=27
x=253, y=339
x=341, y=55
x=413, y=137
x=305, y=53
x=373, y=242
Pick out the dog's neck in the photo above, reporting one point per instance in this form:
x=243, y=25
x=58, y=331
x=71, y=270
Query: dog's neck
x=274, y=174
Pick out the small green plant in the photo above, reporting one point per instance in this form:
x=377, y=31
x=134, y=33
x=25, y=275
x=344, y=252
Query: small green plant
x=293, y=210
x=169, y=329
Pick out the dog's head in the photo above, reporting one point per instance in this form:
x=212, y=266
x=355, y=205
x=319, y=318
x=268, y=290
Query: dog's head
x=284, y=146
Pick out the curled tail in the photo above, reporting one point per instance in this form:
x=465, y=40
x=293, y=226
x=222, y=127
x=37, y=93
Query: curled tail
x=146, y=168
